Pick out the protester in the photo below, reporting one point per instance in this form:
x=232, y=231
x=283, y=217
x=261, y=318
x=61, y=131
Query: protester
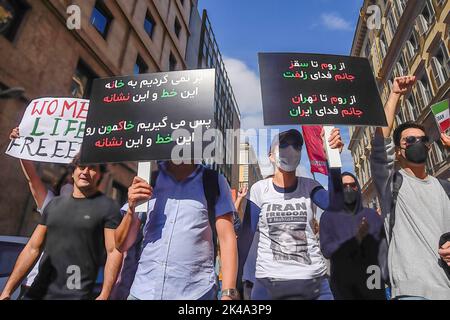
x=177, y=259
x=74, y=232
x=420, y=204
x=42, y=197
x=350, y=236
x=289, y=264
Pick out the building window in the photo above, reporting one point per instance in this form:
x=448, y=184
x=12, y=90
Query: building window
x=390, y=83
x=149, y=24
x=82, y=81
x=412, y=45
x=426, y=18
x=423, y=91
x=400, y=6
x=435, y=157
x=400, y=118
x=440, y=64
x=172, y=62
x=205, y=51
x=439, y=153
x=383, y=46
x=11, y=17
x=365, y=139
x=401, y=68
x=411, y=106
x=101, y=18
x=140, y=66
x=177, y=27
x=392, y=24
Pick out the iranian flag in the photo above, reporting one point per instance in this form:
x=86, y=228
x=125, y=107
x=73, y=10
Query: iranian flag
x=441, y=114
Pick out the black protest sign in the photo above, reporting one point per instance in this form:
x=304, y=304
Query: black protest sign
x=300, y=88
x=149, y=116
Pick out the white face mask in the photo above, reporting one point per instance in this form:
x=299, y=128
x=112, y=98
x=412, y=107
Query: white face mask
x=66, y=189
x=287, y=159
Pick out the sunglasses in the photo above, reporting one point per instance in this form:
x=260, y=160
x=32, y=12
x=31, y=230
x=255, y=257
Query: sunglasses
x=352, y=185
x=413, y=140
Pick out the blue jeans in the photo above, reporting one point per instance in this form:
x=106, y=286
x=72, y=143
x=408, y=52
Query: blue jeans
x=308, y=289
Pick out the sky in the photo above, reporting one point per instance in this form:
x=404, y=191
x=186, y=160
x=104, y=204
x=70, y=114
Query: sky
x=245, y=27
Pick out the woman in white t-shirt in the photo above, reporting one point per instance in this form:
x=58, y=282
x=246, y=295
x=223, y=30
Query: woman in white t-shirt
x=289, y=263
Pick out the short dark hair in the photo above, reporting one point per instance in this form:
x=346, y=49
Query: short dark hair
x=76, y=162
x=402, y=127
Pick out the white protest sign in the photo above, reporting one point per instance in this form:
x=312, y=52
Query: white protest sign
x=51, y=130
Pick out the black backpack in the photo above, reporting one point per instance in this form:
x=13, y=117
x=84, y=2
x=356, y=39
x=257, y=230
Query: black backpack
x=212, y=192
x=397, y=181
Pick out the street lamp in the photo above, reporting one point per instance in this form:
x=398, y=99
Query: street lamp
x=12, y=93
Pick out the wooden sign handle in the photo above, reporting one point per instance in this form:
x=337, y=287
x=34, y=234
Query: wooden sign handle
x=144, y=172
x=334, y=157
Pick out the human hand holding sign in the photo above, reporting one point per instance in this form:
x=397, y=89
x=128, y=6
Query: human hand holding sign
x=139, y=191
x=126, y=233
x=15, y=134
x=335, y=139
x=332, y=146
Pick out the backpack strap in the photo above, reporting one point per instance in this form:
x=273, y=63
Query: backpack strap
x=397, y=183
x=212, y=193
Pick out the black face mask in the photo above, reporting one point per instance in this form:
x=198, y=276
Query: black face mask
x=350, y=196
x=417, y=153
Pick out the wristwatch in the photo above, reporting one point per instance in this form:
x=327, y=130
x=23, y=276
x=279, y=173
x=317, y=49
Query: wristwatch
x=232, y=293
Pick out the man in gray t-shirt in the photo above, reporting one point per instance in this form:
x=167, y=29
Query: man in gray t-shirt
x=77, y=234
x=422, y=212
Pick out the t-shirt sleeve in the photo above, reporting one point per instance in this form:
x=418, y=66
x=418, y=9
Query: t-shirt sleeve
x=313, y=184
x=113, y=216
x=49, y=197
x=45, y=212
x=320, y=198
x=225, y=202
